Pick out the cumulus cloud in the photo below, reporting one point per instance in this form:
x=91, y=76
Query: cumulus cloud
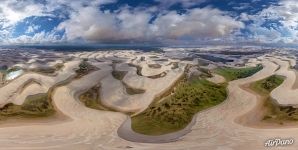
x=37, y=38
x=93, y=25
x=132, y=24
x=86, y=21
x=15, y=11
x=197, y=23
x=32, y=28
x=277, y=23
x=12, y=11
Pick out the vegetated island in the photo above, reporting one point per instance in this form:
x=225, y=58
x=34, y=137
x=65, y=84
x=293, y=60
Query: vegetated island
x=237, y=73
x=176, y=111
x=38, y=105
x=275, y=113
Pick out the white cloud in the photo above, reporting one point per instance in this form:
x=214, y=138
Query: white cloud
x=132, y=24
x=198, y=23
x=87, y=22
x=12, y=11
x=285, y=13
x=37, y=38
x=32, y=28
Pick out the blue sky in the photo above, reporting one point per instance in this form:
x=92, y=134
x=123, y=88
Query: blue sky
x=168, y=22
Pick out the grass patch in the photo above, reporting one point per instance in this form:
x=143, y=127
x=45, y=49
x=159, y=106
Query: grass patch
x=155, y=66
x=91, y=98
x=237, y=73
x=59, y=66
x=142, y=58
x=44, y=70
x=153, y=57
x=38, y=105
x=175, y=65
x=275, y=113
x=84, y=69
x=206, y=73
x=265, y=86
x=279, y=114
x=163, y=74
x=49, y=70
x=176, y=111
x=132, y=91
x=119, y=75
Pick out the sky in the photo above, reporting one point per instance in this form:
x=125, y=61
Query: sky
x=165, y=22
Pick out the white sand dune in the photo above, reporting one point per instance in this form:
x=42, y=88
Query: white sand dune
x=285, y=95
x=114, y=94
x=214, y=129
x=9, y=92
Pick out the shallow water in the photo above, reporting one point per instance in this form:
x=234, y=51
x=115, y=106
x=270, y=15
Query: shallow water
x=214, y=58
x=14, y=74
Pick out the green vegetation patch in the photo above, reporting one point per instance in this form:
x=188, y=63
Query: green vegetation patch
x=132, y=91
x=265, y=86
x=155, y=66
x=13, y=69
x=44, y=70
x=85, y=68
x=48, y=70
x=176, y=110
x=8, y=71
x=206, y=73
x=153, y=57
x=163, y=74
x=119, y=75
x=274, y=113
x=175, y=65
x=279, y=114
x=91, y=98
x=237, y=73
x=59, y=66
x=38, y=105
